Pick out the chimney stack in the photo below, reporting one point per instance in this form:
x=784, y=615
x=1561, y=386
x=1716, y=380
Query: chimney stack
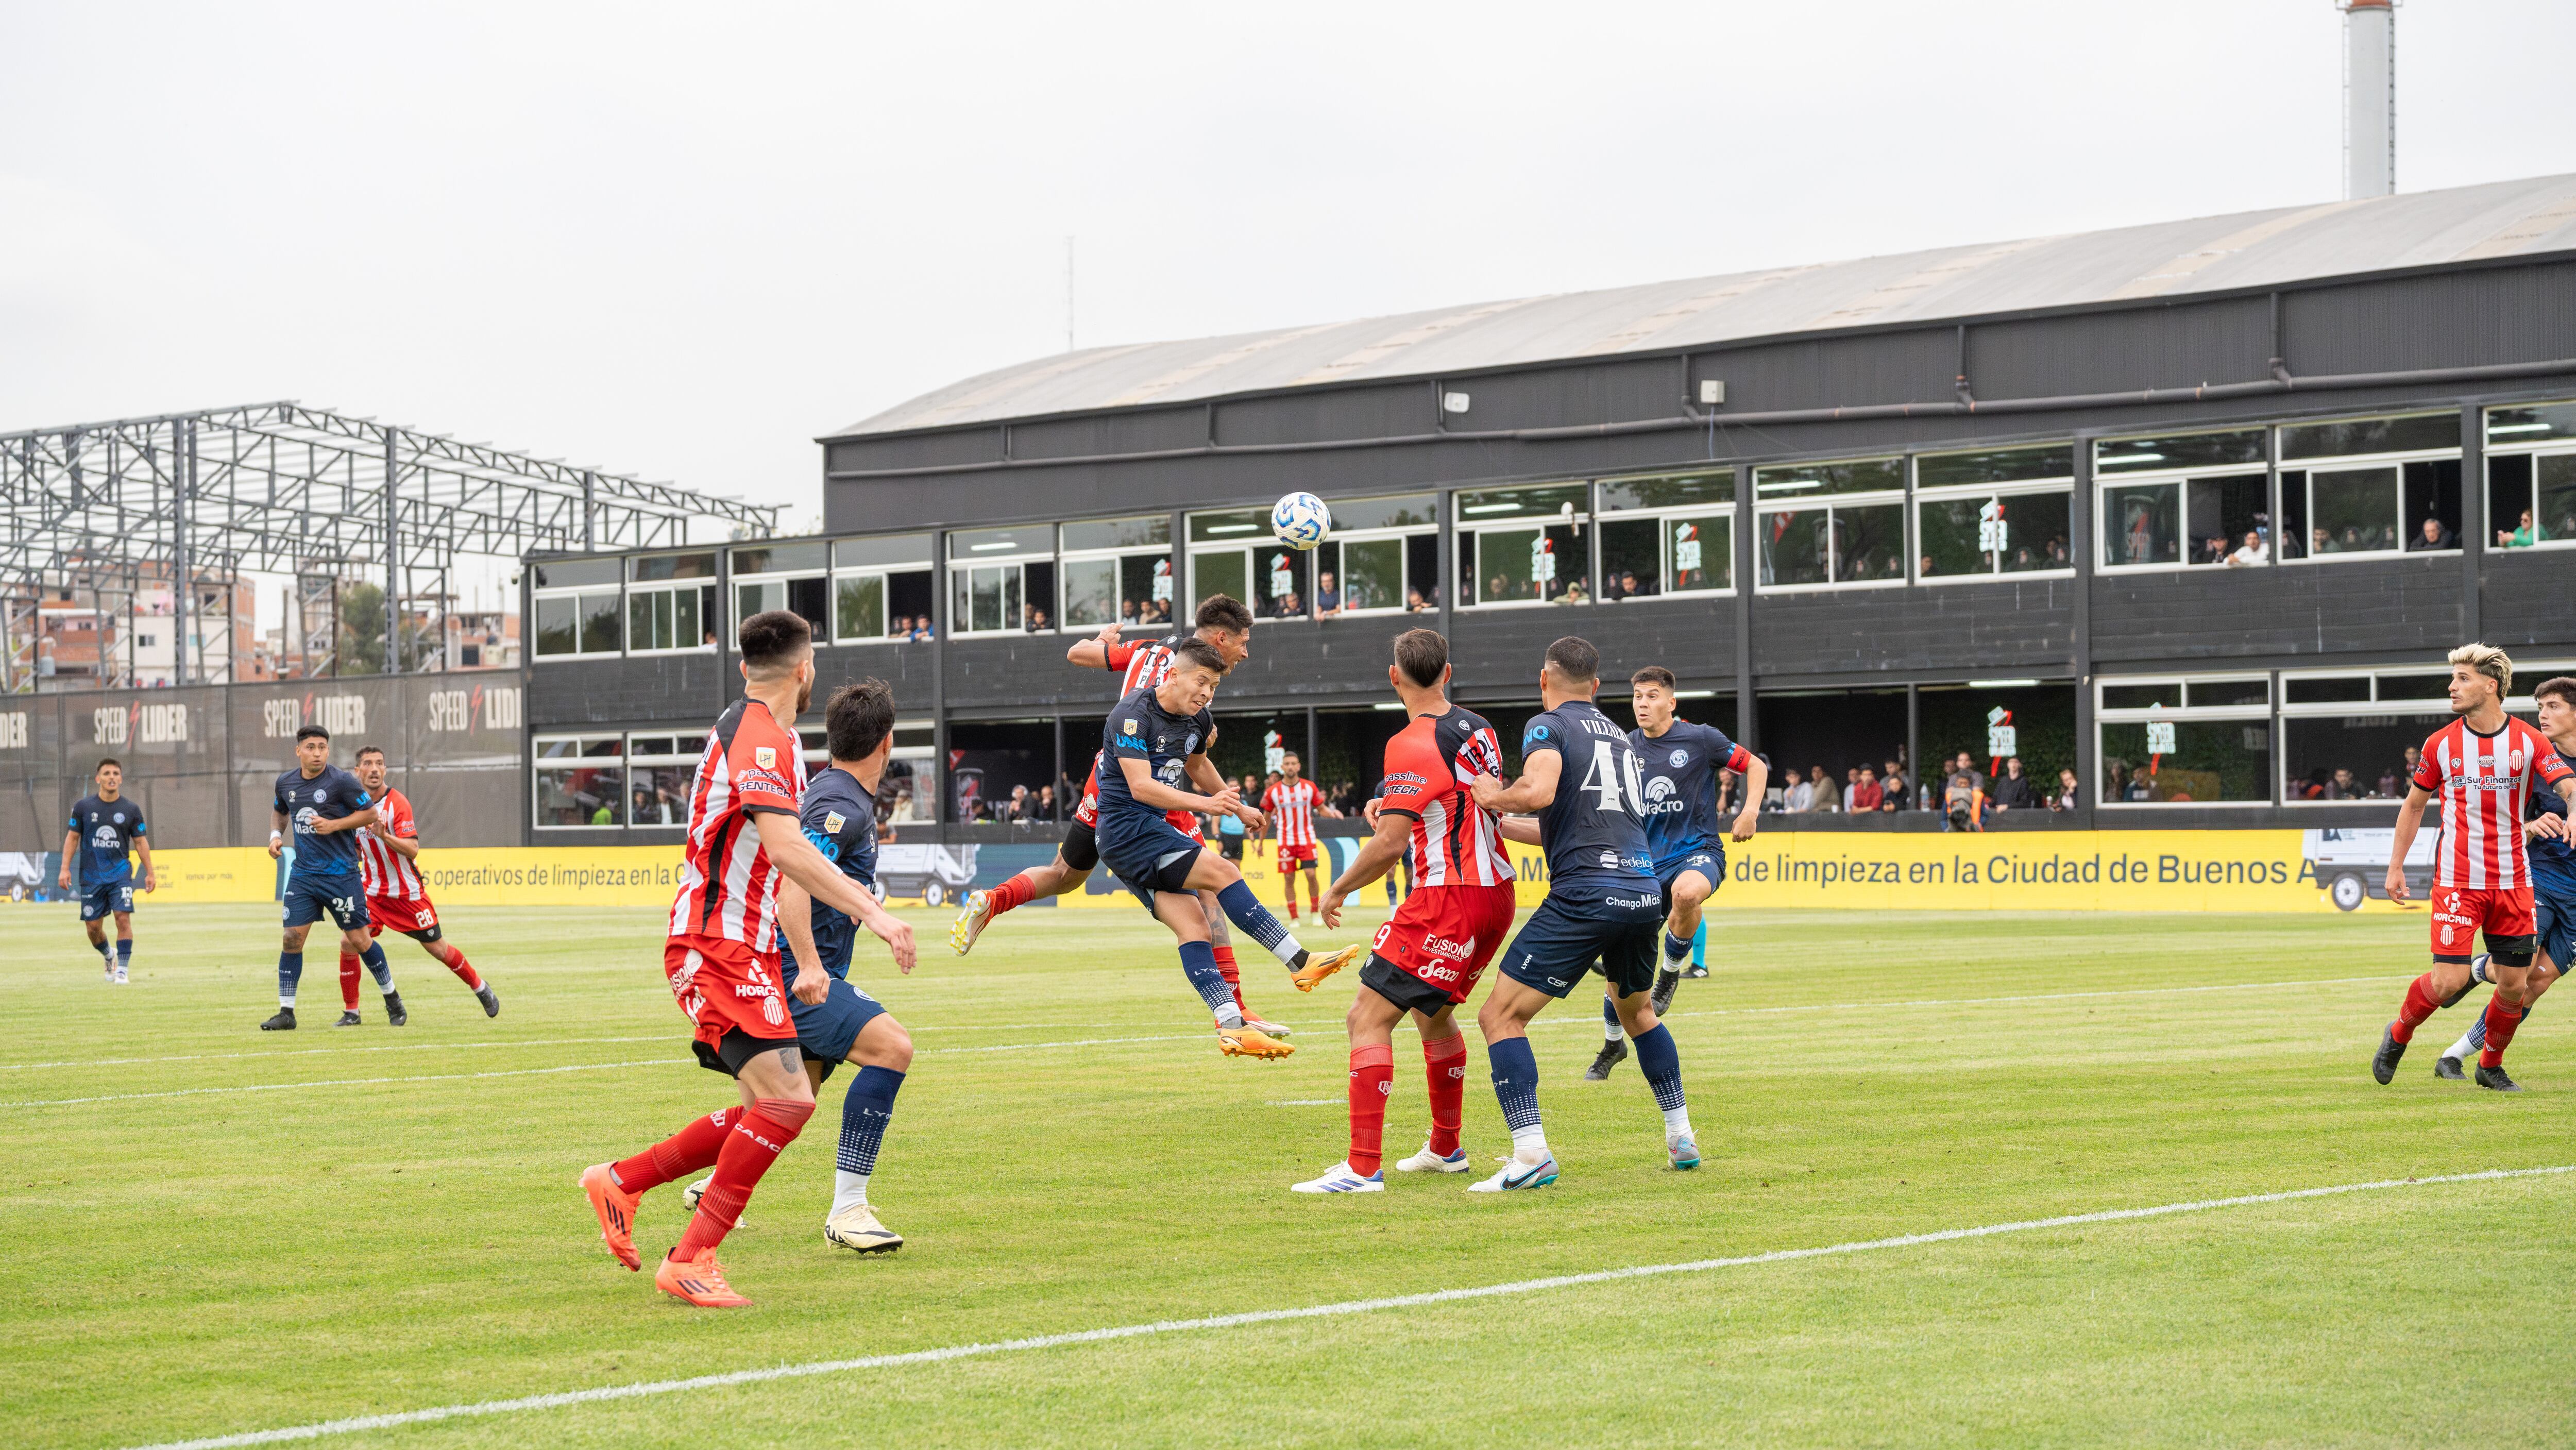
x=2369, y=97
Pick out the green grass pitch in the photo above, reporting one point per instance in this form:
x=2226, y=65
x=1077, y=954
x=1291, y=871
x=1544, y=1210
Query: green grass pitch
x=215, y=1230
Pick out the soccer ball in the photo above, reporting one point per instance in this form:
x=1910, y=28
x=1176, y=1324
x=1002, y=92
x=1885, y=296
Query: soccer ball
x=1300, y=520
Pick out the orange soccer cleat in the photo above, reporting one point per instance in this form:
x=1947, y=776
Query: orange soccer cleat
x=698, y=1281
x=1320, y=965
x=616, y=1209
x=1249, y=1042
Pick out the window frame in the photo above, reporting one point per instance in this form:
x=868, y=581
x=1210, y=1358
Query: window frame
x=2265, y=714
x=1114, y=554
x=1603, y=517
x=837, y=572
x=1467, y=541
x=1250, y=545
x=783, y=578
x=1826, y=503
x=2307, y=468
x=539, y=763
x=704, y=586
x=1917, y=496
x=540, y=597
x=2269, y=466
x=675, y=756
x=2559, y=445
x=959, y=619
x=1401, y=534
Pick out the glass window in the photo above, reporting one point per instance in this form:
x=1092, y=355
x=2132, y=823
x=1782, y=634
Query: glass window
x=1282, y=578
x=1371, y=577
x=580, y=781
x=967, y=544
x=1844, y=544
x=671, y=618
x=1383, y=556
x=1220, y=571
x=579, y=622
x=1995, y=465
x=659, y=772
x=1672, y=490
x=560, y=573
x=2533, y=423
x=2553, y=512
x=672, y=566
x=809, y=597
x=1790, y=482
x=858, y=607
x=2183, y=450
x=1796, y=547
x=2413, y=433
x=2192, y=741
x=1401, y=511
x=558, y=628
x=2198, y=521
x=1142, y=530
x=599, y=632
x=1669, y=534
x=2142, y=695
x=1266, y=575
x=1521, y=503
x=1236, y=524
x=2201, y=693
x=881, y=549
x=778, y=558
x=2142, y=525
x=1993, y=533
x=2297, y=691
x=2355, y=756
x=1528, y=565
x=987, y=599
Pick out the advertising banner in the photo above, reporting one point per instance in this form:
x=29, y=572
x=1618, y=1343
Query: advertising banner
x=2324, y=870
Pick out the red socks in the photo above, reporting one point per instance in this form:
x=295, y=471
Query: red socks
x=2420, y=1004
x=758, y=1137
x=1372, y=1078
x=1444, y=1063
x=1233, y=979
x=464, y=970
x=2501, y=1023
x=683, y=1153
x=348, y=982
x=1014, y=892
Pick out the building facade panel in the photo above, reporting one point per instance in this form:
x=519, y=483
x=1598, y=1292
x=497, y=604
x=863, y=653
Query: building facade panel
x=2295, y=611
x=2018, y=627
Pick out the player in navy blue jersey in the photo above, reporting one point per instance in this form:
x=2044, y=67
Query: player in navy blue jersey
x=1154, y=741
x=105, y=829
x=2550, y=838
x=1583, y=779
x=323, y=806
x=1680, y=761
x=837, y=1022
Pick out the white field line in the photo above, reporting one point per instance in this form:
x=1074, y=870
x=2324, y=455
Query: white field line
x=648, y=1388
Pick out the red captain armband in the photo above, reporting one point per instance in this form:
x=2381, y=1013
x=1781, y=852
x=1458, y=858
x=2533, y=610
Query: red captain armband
x=1741, y=761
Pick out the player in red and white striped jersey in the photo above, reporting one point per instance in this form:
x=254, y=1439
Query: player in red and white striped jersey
x=1290, y=804
x=2484, y=766
x=722, y=963
x=1428, y=956
x=397, y=899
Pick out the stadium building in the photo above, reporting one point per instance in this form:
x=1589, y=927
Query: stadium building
x=2200, y=503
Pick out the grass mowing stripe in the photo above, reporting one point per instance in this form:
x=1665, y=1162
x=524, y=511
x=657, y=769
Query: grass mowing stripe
x=641, y=1390
x=1024, y=1026
x=279, y=1087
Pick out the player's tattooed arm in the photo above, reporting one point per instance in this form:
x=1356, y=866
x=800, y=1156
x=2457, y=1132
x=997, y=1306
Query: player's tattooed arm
x=2410, y=817
x=796, y=918
x=1534, y=791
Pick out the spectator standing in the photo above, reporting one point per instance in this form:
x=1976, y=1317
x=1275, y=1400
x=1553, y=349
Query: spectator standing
x=1328, y=600
x=2013, y=792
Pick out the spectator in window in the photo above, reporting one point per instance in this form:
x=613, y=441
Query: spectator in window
x=2414, y=759
x=2065, y=799
x=2389, y=789
x=1851, y=788
x=1968, y=764
x=2433, y=536
x=921, y=630
x=1631, y=587
x=2115, y=780
x=1923, y=568
x=1891, y=785
x=1575, y=593
x=2022, y=559
x=1823, y=798
x=1498, y=587
x=2058, y=558
x=2521, y=537
x=1017, y=808
x=1328, y=600
x=1413, y=601
x=1037, y=618
x=1866, y=796
x=1798, y=797
x=1046, y=803
x=2343, y=787
x=2249, y=552
x=2012, y=790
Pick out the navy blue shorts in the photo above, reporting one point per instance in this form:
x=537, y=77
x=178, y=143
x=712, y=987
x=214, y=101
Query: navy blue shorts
x=1149, y=857
x=1621, y=926
x=2553, y=918
x=97, y=901
x=1709, y=860
x=828, y=1029
x=310, y=898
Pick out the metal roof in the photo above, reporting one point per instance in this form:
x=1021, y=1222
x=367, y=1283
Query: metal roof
x=2162, y=260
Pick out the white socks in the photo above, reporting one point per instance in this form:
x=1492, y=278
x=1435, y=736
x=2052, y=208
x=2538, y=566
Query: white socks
x=1676, y=1123
x=1529, y=1144
x=849, y=1190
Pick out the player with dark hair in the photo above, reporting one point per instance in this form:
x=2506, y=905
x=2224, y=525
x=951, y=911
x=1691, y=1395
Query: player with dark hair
x=1426, y=959
x=1681, y=761
x=1155, y=740
x=1223, y=622
x=327, y=807
x=1583, y=777
x=397, y=898
x=2551, y=842
x=835, y=1021
x=722, y=962
x=105, y=828
x=1290, y=805
x=2485, y=764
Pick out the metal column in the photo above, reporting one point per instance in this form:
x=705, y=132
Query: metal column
x=2474, y=522
x=393, y=566
x=1748, y=723
x=2087, y=550
x=1913, y=748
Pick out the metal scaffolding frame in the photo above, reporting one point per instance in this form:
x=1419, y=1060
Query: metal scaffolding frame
x=283, y=488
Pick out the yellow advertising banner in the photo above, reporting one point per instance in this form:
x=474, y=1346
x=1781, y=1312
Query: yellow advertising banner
x=2264, y=870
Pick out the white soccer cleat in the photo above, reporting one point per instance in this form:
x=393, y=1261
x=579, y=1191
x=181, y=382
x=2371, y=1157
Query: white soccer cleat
x=1517, y=1175
x=1427, y=1161
x=120, y=976
x=690, y=1195
x=1340, y=1179
x=973, y=915
x=856, y=1229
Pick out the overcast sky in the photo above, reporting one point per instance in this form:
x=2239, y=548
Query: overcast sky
x=682, y=242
